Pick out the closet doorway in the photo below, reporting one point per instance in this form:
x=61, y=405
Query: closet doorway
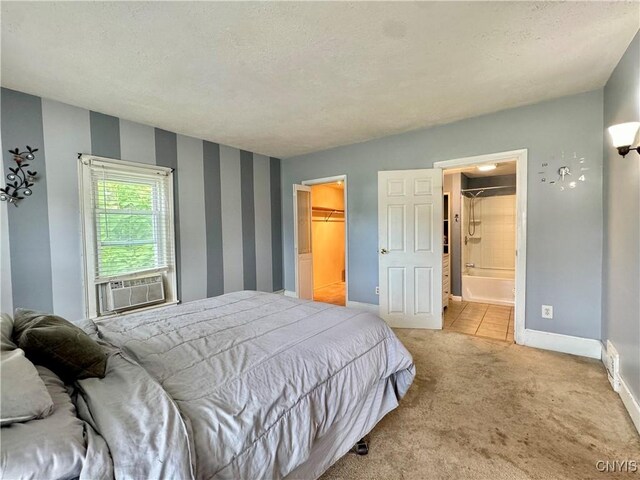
x=329, y=239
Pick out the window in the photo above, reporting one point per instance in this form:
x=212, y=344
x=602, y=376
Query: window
x=128, y=227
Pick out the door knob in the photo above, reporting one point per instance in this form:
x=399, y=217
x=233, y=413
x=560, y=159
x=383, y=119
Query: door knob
x=383, y=251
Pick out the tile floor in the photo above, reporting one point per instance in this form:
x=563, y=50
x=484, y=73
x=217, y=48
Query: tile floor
x=480, y=319
x=334, y=293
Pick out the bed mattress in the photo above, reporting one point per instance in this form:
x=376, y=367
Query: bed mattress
x=263, y=386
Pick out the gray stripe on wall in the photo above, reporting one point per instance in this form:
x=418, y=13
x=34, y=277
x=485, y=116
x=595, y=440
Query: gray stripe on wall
x=66, y=132
x=213, y=211
x=105, y=135
x=28, y=224
x=137, y=142
x=262, y=205
x=231, y=200
x=276, y=223
x=248, y=220
x=166, y=149
x=193, y=243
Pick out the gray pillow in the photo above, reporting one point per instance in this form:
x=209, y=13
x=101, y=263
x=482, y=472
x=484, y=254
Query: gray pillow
x=24, y=395
x=57, y=344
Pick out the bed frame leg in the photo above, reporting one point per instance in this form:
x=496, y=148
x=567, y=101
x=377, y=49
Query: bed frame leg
x=361, y=448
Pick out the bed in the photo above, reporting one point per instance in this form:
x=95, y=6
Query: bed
x=245, y=385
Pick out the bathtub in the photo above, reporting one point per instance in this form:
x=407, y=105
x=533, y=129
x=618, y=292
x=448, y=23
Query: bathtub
x=487, y=285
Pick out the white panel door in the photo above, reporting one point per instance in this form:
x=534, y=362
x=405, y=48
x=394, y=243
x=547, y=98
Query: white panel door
x=410, y=247
x=302, y=241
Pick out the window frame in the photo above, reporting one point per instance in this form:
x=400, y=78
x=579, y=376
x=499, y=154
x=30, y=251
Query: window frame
x=91, y=283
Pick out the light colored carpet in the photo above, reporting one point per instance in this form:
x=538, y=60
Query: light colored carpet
x=486, y=409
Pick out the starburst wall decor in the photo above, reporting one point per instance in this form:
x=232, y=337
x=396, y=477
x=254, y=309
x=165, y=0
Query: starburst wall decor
x=19, y=180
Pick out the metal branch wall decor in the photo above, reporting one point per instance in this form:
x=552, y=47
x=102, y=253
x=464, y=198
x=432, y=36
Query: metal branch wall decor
x=20, y=180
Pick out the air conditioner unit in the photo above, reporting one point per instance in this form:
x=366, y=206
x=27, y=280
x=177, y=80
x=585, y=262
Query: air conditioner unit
x=127, y=294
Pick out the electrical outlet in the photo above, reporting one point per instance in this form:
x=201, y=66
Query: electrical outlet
x=547, y=311
x=377, y=290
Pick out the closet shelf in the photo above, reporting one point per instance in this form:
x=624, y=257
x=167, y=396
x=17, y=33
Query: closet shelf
x=329, y=214
x=327, y=209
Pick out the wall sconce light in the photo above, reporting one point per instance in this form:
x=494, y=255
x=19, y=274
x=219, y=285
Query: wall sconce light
x=623, y=136
x=20, y=180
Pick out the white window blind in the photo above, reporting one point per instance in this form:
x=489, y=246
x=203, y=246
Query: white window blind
x=132, y=216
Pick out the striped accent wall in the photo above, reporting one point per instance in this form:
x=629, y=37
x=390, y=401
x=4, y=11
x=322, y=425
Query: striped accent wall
x=227, y=207
x=213, y=207
x=277, y=247
x=248, y=221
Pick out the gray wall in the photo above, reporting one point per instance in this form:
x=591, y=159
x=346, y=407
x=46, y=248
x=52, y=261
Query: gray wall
x=621, y=251
x=227, y=238
x=564, y=247
x=495, y=181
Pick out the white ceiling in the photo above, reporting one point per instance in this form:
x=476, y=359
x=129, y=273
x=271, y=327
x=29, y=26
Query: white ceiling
x=503, y=168
x=336, y=185
x=294, y=77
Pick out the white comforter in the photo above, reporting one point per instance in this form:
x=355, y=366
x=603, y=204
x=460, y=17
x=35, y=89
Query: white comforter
x=258, y=379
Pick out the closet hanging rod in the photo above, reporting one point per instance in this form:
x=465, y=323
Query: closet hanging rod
x=327, y=209
x=327, y=212
x=486, y=188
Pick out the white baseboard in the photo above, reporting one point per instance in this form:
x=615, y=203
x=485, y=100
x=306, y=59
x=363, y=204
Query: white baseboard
x=584, y=347
x=369, y=307
x=456, y=298
x=630, y=403
x=289, y=293
x=397, y=323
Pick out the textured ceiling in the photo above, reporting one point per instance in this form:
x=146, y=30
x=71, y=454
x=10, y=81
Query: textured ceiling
x=503, y=168
x=289, y=78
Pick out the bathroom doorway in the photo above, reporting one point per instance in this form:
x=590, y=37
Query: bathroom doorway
x=329, y=239
x=484, y=245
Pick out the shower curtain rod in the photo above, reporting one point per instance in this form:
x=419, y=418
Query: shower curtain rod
x=486, y=188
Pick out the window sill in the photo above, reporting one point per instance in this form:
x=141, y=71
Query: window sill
x=136, y=310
